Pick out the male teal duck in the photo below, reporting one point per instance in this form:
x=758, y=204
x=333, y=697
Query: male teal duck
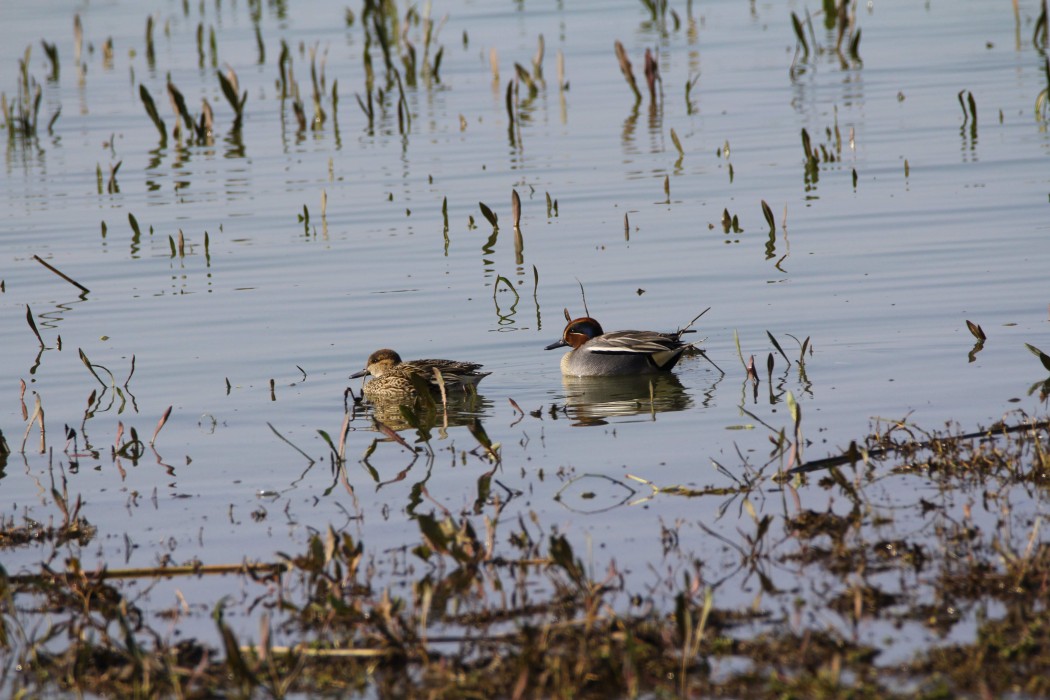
x=596, y=353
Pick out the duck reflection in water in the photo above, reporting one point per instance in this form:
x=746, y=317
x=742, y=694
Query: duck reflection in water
x=420, y=414
x=593, y=400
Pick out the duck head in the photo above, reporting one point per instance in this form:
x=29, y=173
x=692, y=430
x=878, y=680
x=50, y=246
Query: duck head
x=378, y=363
x=577, y=332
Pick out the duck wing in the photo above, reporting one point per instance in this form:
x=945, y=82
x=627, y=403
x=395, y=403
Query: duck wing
x=635, y=343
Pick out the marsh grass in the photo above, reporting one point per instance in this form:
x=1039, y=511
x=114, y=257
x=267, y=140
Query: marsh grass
x=505, y=608
x=839, y=15
x=21, y=115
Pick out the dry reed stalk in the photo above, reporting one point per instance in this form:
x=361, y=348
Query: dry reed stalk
x=160, y=424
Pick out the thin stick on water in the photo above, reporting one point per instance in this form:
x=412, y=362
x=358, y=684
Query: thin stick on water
x=61, y=274
x=289, y=443
x=586, y=311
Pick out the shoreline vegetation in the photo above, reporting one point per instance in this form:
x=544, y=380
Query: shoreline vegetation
x=504, y=608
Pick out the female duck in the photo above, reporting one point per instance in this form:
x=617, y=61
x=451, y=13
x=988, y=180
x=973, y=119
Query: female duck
x=391, y=377
x=596, y=353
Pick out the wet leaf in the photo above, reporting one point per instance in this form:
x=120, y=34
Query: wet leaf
x=478, y=431
x=151, y=110
x=179, y=103
x=677, y=143
x=625, y=68
x=1043, y=357
x=562, y=555
x=484, y=489
x=736, y=340
x=763, y=527
x=767, y=583
x=91, y=368
x=807, y=146
x=434, y=533
x=794, y=409
x=32, y=325
x=768, y=213
x=160, y=424
x=777, y=346
x=326, y=437
x=235, y=660
x=800, y=35
x=510, y=103
x=854, y=45
x=525, y=77
x=750, y=508
x=488, y=214
x=843, y=483
x=682, y=618
x=392, y=434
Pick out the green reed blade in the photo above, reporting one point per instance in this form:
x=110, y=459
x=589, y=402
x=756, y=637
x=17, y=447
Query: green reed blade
x=151, y=110
x=489, y=215
x=777, y=346
x=32, y=325
x=800, y=35
x=1043, y=357
x=768, y=213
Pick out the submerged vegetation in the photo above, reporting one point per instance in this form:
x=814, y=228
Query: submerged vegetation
x=503, y=607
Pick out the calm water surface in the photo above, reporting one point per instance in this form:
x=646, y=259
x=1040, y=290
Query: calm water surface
x=944, y=223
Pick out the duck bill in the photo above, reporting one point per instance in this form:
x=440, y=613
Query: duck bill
x=560, y=344
x=362, y=373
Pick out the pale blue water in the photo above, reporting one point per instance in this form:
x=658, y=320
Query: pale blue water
x=881, y=276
